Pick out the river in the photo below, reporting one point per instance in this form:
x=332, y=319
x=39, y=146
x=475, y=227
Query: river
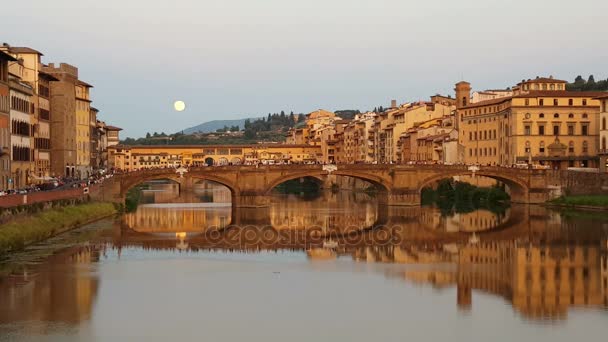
x=333, y=266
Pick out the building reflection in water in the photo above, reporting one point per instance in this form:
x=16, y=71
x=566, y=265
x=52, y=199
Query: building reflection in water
x=154, y=217
x=540, y=262
x=46, y=295
x=333, y=212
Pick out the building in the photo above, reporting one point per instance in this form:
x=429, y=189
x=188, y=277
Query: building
x=603, y=141
x=5, y=126
x=70, y=122
x=31, y=62
x=541, y=123
x=479, y=96
x=113, y=135
x=95, y=140
x=83, y=130
x=22, y=127
x=131, y=158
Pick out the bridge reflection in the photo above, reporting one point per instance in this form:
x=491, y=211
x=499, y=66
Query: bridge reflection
x=540, y=262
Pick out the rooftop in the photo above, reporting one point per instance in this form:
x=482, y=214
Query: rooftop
x=22, y=49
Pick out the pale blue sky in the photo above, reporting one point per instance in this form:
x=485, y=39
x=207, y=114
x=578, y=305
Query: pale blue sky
x=238, y=58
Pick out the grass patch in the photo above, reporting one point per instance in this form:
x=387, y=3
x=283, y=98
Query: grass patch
x=23, y=231
x=588, y=200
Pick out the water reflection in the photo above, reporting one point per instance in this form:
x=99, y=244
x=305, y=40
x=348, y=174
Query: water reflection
x=540, y=262
x=61, y=291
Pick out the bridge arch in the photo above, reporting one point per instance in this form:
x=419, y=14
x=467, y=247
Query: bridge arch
x=518, y=188
x=131, y=183
x=381, y=184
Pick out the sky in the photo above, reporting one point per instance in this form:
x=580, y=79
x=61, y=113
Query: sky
x=230, y=59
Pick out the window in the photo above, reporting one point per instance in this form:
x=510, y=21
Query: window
x=527, y=130
x=541, y=130
x=571, y=147
x=603, y=123
x=570, y=129
x=541, y=102
x=553, y=88
x=585, y=146
x=556, y=115
x=541, y=115
x=527, y=102
x=554, y=100
x=570, y=116
x=541, y=149
x=555, y=129
x=585, y=115
x=584, y=130
x=603, y=143
x=527, y=147
x=570, y=102
x=584, y=102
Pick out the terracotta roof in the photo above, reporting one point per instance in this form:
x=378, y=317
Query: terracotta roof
x=543, y=80
x=82, y=83
x=113, y=128
x=488, y=102
x=22, y=49
x=47, y=76
x=560, y=93
x=5, y=56
x=601, y=97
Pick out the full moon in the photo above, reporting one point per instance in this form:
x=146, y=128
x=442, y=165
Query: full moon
x=179, y=106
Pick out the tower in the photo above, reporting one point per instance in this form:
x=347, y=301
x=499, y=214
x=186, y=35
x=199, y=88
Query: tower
x=463, y=98
x=463, y=94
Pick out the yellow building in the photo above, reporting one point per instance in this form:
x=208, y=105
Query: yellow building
x=5, y=126
x=130, y=158
x=603, y=142
x=83, y=129
x=541, y=123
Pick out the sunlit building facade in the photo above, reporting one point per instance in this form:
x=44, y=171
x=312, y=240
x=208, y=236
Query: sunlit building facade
x=541, y=123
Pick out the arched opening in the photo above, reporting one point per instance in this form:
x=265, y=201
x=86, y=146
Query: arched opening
x=236, y=161
x=166, y=206
x=468, y=203
x=209, y=161
x=222, y=161
x=334, y=204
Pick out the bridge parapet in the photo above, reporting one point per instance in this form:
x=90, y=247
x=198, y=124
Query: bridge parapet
x=398, y=184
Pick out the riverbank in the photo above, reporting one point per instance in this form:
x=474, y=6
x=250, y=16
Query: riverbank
x=23, y=231
x=592, y=202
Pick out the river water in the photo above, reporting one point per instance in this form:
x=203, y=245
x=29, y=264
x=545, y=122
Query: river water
x=334, y=266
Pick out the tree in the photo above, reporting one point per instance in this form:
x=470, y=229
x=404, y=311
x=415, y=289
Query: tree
x=148, y=136
x=590, y=83
x=247, y=124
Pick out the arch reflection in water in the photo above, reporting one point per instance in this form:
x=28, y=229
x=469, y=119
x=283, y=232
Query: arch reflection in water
x=332, y=212
x=542, y=263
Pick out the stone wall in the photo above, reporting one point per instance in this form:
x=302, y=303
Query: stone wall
x=584, y=183
x=40, y=197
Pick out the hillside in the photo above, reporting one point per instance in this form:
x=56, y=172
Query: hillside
x=214, y=125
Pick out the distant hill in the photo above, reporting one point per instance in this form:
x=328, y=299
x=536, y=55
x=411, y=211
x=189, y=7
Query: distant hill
x=212, y=126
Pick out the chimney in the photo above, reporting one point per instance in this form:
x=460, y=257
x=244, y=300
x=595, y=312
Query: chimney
x=393, y=103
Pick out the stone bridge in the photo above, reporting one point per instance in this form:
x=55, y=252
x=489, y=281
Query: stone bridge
x=251, y=186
